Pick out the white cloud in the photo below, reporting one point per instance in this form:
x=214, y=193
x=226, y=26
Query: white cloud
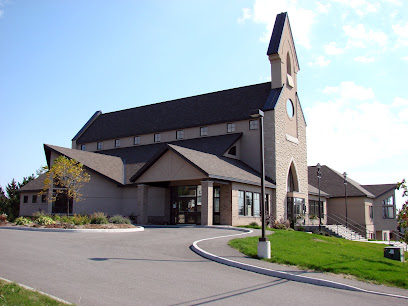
x=323, y=8
x=321, y=61
x=401, y=30
x=396, y=2
x=349, y=91
x=361, y=134
x=398, y=101
x=301, y=20
x=360, y=7
x=358, y=36
x=332, y=49
x=405, y=58
x=246, y=14
x=364, y=59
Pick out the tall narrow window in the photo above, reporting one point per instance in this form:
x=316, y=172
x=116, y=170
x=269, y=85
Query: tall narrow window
x=117, y=143
x=136, y=140
x=157, y=137
x=241, y=203
x=388, y=208
x=288, y=65
x=34, y=200
x=43, y=198
x=249, y=198
x=203, y=131
x=25, y=199
x=180, y=134
x=99, y=145
x=253, y=124
x=257, y=205
x=230, y=127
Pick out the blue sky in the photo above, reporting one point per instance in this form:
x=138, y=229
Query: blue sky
x=63, y=60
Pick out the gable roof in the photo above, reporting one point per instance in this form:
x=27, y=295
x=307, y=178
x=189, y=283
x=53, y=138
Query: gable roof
x=332, y=182
x=380, y=189
x=136, y=157
x=34, y=185
x=211, y=165
x=182, y=113
x=109, y=166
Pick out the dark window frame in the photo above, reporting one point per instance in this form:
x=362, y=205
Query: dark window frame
x=34, y=198
x=99, y=145
x=117, y=143
x=136, y=140
x=231, y=128
x=157, y=137
x=180, y=134
x=25, y=199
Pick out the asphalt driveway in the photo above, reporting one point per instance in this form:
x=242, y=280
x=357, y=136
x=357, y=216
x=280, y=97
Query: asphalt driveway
x=154, y=267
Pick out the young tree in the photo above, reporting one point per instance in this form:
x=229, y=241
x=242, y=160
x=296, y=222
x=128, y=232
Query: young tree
x=66, y=176
x=403, y=212
x=13, y=199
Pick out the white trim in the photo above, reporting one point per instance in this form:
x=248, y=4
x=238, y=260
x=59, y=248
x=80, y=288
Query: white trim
x=292, y=139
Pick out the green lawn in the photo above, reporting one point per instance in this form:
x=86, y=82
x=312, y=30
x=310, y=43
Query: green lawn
x=329, y=254
x=13, y=294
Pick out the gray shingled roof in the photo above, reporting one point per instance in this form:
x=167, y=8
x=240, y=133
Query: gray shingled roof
x=315, y=191
x=109, y=166
x=137, y=156
x=332, y=182
x=274, y=43
x=217, y=107
x=379, y=189
x=34, y=185
x=213, y=166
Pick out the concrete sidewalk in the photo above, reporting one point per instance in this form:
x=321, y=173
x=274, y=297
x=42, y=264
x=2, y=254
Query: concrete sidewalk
x=220, y=248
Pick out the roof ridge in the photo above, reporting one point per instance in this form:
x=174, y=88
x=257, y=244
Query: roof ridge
x=184, y=98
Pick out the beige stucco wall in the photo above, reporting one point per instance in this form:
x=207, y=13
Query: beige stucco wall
x=27, y=209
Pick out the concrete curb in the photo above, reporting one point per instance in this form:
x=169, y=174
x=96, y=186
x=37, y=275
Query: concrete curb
x=77, y=230
x=276, y=273
x=35, y=290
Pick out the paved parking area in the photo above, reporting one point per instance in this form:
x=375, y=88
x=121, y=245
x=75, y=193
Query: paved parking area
x=154, y=267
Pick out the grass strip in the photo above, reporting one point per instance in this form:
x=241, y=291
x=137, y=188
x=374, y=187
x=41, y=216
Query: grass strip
x=13, y=294
x=363, y=260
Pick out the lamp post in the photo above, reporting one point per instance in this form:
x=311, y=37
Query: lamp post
x=319, y=176
x=264, y=245
x=345, y=194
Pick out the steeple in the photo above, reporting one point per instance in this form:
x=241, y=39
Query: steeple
x=282, y=54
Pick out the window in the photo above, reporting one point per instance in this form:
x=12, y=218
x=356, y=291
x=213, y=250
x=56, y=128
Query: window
x=117, y=143
x=99, y=145
x=257, y=205
x=216, y=205
x=290, y=110
x=34, y=199
x=253, y=124
x=371, y=212
x=43, y=198
x=314, y=208
x=233, y=151
x=230, y=127
x=25, y=199
x=288, y=65
x=204, y=131
x=83, y=147
x=136, y=140
x=157, y=137
x=249, y=203
x=241, y=203
x=180, y=134
x=388, y=208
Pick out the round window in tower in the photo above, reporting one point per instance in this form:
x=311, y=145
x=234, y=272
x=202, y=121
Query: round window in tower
x=289, y=108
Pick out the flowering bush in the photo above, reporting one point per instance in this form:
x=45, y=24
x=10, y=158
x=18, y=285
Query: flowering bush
x=44, y=220
x=22, y=221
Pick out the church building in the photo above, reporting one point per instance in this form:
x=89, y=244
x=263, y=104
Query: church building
x=195, y=160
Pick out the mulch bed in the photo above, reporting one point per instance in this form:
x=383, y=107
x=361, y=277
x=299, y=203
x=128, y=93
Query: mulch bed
x=72, y=226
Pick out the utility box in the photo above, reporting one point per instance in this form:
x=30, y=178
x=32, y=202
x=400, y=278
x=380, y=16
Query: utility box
x=394, y=253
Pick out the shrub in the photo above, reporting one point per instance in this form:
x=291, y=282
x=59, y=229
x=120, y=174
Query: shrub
x=56, y=218
x=281, y=224
x=118, y=219
x=39, y=214
x=98, y=218
x=22, y=221
x=253, y=224
x=300, y=228
x=44, y=220
x=80, y=219
x=3, y=218
x=66, y=219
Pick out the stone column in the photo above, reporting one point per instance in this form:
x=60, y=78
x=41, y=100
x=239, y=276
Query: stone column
x=142, y=196
x=207, y=203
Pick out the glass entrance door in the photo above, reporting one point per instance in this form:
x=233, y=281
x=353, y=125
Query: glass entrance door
x=186, y=205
